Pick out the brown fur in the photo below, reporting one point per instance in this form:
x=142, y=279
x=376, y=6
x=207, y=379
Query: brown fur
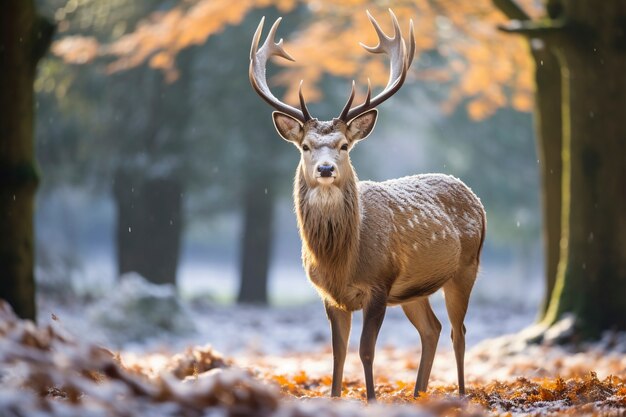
x=368, y=244
x=423, y=247
x=329, y=242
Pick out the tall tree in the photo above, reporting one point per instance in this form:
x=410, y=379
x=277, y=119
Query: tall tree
x=549, y=142
x=589, y=40
x=160, y=37
x=149, y=224
x=136, y=142
x=24, y=38
x=259, y=153
x=256, y=241
x=148, y=188
x=154, y=121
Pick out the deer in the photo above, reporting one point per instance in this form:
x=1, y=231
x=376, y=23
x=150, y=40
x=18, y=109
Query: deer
x=368, y=245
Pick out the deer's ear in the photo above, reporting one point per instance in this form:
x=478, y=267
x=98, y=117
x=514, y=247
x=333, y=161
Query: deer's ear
x=361, y=126
x=289, y=128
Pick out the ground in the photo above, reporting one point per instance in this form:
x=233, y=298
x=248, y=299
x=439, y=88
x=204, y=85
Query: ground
x=111, y=356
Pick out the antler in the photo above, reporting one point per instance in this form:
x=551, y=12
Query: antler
x=258, y=61
x=400, y=62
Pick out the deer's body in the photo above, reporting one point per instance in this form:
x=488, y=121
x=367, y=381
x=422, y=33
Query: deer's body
x=367, y=245
x=404, y=238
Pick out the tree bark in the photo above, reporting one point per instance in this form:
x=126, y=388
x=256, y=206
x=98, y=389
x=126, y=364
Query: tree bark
x=549, y=146
x=256, y=243
x=149, y=226
x=549, y=125
x=150, y=218
x=24, y=38
x=589, y=40
x=591, y=283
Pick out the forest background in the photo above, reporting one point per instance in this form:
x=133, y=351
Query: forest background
x=133, y=125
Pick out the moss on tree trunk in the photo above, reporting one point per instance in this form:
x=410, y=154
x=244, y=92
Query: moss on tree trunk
x=591, y=282
x=548, y=123
x=549, y=147
x=589, y=40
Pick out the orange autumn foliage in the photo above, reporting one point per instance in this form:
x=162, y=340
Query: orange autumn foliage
x=520, y=396
x=58, y=372
x=484, y=68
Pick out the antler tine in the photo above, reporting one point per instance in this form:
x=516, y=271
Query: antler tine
x=396, y=26
x=256, y=38
x=305, y=111
x=276, y=47
x=346, y=108
x=400, y=59
x=382, y=37
x=369, y=93
x=257, y=73
x=411, y=52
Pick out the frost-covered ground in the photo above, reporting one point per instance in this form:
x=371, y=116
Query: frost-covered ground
x=142, y=320
x=138, y=316
x=141, y=351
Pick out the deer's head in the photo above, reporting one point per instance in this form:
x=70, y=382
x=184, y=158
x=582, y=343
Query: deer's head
x=324, y=145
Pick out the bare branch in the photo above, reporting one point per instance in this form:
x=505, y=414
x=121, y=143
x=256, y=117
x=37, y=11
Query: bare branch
x=540, y=29
x=511, y=9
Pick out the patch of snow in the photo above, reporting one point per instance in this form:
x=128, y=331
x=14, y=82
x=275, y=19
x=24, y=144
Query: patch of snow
x=137, y=310
x=233, y=329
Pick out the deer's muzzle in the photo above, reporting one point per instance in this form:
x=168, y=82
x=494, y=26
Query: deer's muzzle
x=326, y=170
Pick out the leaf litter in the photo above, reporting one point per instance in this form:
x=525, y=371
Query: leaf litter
x=44, y=371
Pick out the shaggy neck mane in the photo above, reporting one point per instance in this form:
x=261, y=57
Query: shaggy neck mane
x=329, y=223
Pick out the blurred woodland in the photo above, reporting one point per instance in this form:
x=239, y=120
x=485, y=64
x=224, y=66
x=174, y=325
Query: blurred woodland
x=130, y=137
x=146, y=105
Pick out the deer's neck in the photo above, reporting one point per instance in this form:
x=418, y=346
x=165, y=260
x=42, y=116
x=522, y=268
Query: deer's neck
x=329, y=222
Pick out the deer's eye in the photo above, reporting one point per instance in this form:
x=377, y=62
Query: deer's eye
x=344, y=147
x=305, y=148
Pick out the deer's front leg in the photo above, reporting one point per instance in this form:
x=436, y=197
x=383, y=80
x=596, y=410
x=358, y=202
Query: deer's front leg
x=373, y=315
x=340, y=322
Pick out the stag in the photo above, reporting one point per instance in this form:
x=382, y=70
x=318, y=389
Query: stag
x=368, y=245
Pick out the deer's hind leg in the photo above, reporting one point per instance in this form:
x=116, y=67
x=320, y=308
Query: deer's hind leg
x=420, y=313
x=457, y=292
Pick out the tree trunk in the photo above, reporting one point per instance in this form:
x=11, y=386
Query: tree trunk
x=256, y=242
x=549, y=125
x=549, y=145
x=24, y=37
x=591, y=282
x=149, y=226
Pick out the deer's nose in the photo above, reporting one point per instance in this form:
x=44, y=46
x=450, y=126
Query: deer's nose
x=325, y=170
